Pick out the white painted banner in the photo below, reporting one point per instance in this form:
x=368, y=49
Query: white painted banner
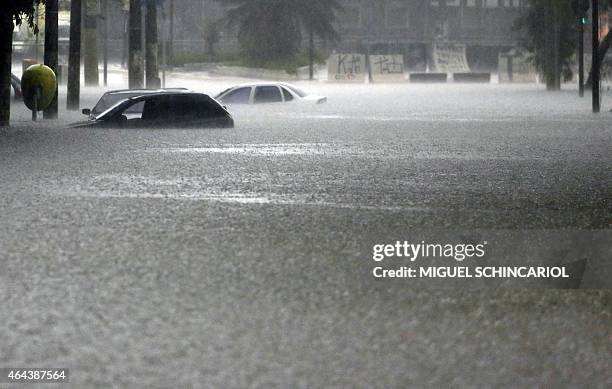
x=346, y=68
x=450, y=58
x=387, y=67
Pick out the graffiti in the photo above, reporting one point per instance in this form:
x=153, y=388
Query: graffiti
x=346, y=67
x=383, y=64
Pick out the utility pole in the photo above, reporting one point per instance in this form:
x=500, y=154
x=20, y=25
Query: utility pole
x=595, y=56
x=135, y=57
x=74, y=56
x=580, y=8
x=105, y=20
x=36, y=43
x=90, y=42
x=51, y=50
x=164, y=37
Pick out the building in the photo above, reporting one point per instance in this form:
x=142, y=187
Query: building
x=411, y=27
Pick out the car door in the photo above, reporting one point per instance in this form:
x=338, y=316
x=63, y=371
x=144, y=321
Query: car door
x=266, y=94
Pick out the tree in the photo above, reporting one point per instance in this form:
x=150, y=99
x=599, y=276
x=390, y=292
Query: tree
x=135, y=58
x=317, y=18
x=152, y=46
x=211, y=36
x=539, y=22
x=272, y=29
x=14, y=12
x=549, y=27
x=74, y=56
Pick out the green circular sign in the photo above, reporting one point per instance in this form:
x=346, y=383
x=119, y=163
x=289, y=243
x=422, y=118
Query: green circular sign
x=38, y=85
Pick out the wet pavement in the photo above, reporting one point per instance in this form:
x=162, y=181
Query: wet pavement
x=230, y=258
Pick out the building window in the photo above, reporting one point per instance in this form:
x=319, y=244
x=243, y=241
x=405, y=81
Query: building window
x=491, y=3
x=453, y=3
x=350, y=17
x=396, y=15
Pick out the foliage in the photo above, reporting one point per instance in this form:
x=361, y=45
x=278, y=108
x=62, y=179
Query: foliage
x=532, y=22
x=23, y=10
x=272, y=29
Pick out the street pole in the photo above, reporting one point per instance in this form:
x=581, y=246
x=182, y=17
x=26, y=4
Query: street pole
x=171, y=34
x=164, y=36
x=51, y=50
x=580, y=57
x=105, y=17
x=74, y=57
x=36, y=43
x=595, y=56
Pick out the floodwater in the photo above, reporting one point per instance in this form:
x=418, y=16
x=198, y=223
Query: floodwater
x=231, y=258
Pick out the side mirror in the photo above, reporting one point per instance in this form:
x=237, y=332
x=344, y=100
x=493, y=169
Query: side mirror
x=86, y=111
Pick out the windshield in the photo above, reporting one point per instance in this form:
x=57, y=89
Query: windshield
x=109, y=100
x=296, y=90
x=120, y=106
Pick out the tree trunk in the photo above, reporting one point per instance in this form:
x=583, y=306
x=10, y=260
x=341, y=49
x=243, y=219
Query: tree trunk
x=311, y=49
x=603, y=49
x=170, y=46
x=74, y=56
x=135, y=59
x=6, y=53
x=90, y=43
x=548, y=44
x=152, y=48
x=51, y=53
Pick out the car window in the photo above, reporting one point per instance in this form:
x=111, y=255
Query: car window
x=136, y=109
x=157, y=108
x=208, y=108
x=238, y=96
x=267, y=94
x=183, y=107
x=288, y=96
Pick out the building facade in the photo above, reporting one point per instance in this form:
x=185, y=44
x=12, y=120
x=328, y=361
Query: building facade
x=412, y=27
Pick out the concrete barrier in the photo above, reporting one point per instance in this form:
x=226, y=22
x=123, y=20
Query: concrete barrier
x=484, y=78
x=428, y=77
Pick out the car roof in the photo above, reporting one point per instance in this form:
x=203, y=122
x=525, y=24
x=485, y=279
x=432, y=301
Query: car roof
x=260, y=83
x=169, y=93
x=145, y=91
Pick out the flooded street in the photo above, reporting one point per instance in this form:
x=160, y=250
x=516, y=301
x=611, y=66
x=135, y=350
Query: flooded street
x=167, y=258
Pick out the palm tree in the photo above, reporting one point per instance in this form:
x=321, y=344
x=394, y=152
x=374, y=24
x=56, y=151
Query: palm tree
x=271, y=29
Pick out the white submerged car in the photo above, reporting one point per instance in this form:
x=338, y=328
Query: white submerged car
x=261, y=93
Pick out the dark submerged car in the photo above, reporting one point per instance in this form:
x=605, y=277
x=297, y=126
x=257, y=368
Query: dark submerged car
x=111, y=98
x=164, y=110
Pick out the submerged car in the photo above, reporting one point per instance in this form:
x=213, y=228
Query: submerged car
x=259, y=93
x=113, y=97
x=164, y=110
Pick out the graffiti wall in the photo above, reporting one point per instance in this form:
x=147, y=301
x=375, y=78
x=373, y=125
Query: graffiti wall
x=387, y=68
x=450, y=58
x=347, y=68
